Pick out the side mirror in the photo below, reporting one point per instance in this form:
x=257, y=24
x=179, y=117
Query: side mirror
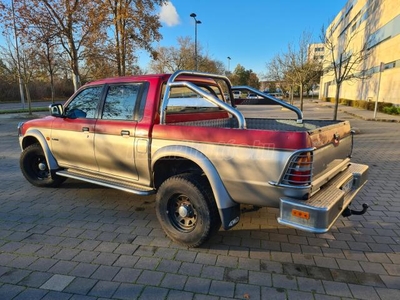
x=56, y=110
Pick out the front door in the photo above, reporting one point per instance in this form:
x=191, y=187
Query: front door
x=72, y=137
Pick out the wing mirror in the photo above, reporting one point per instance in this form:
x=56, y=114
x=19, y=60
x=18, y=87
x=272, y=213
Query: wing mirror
x=56, y=110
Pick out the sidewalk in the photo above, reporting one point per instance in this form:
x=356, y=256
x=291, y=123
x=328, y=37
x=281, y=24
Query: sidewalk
x=363, y=114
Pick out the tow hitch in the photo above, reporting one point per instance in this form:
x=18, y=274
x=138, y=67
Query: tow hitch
x=348, y=212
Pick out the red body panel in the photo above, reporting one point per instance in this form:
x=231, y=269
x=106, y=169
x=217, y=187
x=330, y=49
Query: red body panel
x=283, y=140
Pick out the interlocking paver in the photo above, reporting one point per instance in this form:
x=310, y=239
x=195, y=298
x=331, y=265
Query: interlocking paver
x=80, y=286
x=126, y=261
x=128, y=291
x=14, y=276
x=173, y=295
x=127, y=275
x=170, y=266
x=247, y=291
x=84, y=270
x=9, y=291
x=105, y=272
x=52, y=295
x=57, y=282
x=150, y=293
x=174, y=281
x=337, y=289
x=222, y=288
x=197, y=285
x=104, y=289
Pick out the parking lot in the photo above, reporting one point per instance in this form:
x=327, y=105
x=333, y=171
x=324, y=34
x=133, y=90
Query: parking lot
x=82, y=241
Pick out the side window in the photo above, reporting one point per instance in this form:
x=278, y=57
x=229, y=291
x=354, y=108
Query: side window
x=84, y=105
x=120, y=101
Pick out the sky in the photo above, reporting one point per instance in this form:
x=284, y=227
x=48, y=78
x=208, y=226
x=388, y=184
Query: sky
x=250, y=32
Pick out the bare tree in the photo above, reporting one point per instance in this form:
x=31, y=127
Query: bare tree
x=170, y=59
x=298, y=66
x=344, y=54
x=294, y=67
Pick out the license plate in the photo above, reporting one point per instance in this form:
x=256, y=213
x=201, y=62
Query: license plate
x=347, y=186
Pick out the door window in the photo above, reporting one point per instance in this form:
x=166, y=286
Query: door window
x=85, y=104
x=120, y=101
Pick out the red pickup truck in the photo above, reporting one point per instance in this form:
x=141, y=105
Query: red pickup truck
x=180, y=136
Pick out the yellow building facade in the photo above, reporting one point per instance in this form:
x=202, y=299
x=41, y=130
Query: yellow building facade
x=371, y=29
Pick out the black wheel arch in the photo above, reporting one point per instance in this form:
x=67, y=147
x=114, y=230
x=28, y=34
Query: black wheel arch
x=30, y=140
x=169, y=166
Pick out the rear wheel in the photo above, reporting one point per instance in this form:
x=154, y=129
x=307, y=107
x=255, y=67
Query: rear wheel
x=34, y=167
x=186, y=209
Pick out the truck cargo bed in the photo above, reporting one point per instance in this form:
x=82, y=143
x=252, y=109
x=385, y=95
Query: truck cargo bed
x=264, y=124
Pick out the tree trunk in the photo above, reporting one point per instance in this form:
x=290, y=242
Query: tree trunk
x=335, y=111
x=301, y=97
x=52, y=87
x=28, y=98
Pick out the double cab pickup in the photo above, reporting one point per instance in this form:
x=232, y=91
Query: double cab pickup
x=182, y=137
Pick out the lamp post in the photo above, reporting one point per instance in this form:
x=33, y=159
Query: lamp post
x=21, y=88
x=193, y=15
x=229, y=64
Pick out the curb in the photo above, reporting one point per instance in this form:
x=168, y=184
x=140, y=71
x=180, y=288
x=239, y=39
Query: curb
x=371, y=119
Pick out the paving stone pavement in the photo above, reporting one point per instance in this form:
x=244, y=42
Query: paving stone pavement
x=82, y=241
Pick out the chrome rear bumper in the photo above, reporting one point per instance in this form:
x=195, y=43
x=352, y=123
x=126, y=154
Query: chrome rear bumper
x=318, y=213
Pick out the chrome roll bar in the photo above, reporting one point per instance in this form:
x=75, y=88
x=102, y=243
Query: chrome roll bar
x=207, y=96
x=276, y=100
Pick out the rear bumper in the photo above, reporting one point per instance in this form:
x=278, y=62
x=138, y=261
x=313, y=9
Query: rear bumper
x=318, y=213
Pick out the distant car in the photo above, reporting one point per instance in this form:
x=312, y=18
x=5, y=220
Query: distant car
x=252, y=96
x=237, y=94
x=278, y=95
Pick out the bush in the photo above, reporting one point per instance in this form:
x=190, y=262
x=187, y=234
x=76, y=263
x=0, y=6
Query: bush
x=391, y=110
x=385, y=107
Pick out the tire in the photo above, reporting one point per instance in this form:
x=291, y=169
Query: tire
x=34, y=167
x=186, y=209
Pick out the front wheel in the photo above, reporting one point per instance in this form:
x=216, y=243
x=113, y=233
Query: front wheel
x=34, y=167
x=186, y=209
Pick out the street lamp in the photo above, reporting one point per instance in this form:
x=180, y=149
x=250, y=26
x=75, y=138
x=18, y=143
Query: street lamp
x=229, y=64
x=193, y=15
x=21, y=88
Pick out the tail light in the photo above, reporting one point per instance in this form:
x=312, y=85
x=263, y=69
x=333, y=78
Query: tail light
x=299, y=170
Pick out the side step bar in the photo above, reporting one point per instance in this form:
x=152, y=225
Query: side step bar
x=107, y=182
x=320, y=212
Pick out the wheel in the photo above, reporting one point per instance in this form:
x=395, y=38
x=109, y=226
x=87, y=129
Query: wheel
x=186, y=209
x=34, y=167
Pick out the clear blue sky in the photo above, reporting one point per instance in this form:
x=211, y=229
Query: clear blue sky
x=251, y=32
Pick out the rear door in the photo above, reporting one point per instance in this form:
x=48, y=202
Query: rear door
x=115, y=131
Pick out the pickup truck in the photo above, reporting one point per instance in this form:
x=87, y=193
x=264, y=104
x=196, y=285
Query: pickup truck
x=180, y=137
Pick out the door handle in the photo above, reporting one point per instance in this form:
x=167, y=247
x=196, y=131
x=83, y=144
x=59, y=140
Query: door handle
x=84, y=129
x=125, y=132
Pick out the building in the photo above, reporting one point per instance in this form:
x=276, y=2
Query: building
x=316, y=52
x=370, y=28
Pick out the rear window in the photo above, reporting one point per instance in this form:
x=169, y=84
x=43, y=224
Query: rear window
x=184, y=100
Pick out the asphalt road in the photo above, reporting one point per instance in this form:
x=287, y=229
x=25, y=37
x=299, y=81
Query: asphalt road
x=82, y=241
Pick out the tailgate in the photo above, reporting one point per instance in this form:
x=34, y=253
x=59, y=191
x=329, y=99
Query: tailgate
x=333, y=145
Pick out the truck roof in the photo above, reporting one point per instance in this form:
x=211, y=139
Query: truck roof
x=149, y=77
